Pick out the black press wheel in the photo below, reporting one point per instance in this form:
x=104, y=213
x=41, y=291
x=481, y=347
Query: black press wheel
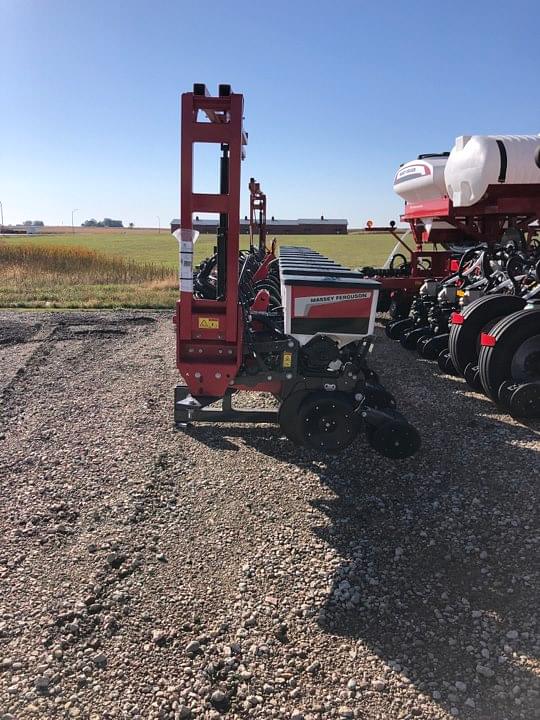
x=514, y=355
x=395, y=329
x=288, y=418
x=327, y=421
x=505, y=394
x=445, y=363
x=472, y=377
x=478, y=317
x=394, y=438
x=433, y=346
x=409, y=338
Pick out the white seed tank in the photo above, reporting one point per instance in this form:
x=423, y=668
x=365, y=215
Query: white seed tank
x=477, y=161
x=421, y=179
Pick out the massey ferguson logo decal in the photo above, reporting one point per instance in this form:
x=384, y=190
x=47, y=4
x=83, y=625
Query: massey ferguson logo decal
x=303, y=305
x=411, y=171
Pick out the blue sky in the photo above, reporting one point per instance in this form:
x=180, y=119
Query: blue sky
x=337, y=95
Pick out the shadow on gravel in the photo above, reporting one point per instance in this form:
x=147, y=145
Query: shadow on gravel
x=14, y=333
x=69, y=324
x=438, y=558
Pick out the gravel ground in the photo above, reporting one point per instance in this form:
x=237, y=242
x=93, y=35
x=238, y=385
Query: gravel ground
x=149, y=573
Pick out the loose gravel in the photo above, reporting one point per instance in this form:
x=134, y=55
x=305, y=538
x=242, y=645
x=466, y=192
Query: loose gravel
x=222, y=572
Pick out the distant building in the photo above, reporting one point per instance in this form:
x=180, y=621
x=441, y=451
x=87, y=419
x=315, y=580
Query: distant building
x=106, y=222
x=303, y=226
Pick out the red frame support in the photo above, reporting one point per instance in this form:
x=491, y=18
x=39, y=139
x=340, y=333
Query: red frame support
x=484, y=221
x=257, y=213
x=209, y=332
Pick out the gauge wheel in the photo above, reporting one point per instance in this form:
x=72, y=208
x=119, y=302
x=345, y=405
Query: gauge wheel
x=514, y=355
x=478, y=317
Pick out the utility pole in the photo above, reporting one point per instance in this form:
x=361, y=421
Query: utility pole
x=72, y=225
x=158, y=224
x=2, y=215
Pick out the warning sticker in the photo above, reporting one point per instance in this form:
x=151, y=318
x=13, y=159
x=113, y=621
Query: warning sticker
x=206, y=323
x=287, y=359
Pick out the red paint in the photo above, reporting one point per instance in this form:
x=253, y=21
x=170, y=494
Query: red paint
x=214, y=353
x=487, y=340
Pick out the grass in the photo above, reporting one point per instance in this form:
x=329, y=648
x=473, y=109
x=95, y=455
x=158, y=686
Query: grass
x=34, y=275
x=132, y=268
x=162, y=249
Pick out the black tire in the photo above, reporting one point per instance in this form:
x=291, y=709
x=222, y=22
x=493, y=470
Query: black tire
x=496, y=362
x=525, y=401
x=445, y=363
x=409, y=339
x=422, y=340
x=433, y=346
x=463, y=343
x=505, y=394
x=396, y=328
x=472, y=377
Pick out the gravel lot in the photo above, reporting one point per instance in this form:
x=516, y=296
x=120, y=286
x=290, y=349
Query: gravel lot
x=147, y=573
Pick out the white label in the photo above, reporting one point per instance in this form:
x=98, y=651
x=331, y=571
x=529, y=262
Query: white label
x=416, y=170
x=186, y=240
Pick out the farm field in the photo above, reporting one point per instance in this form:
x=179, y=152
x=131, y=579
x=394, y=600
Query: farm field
x=57, y=285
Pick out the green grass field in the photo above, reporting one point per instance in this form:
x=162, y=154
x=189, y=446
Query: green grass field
x=161, y=248
x=39, y=287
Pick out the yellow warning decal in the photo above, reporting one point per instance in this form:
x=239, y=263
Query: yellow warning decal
x=460, y=293
x=206, y=323
x=287, y=359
